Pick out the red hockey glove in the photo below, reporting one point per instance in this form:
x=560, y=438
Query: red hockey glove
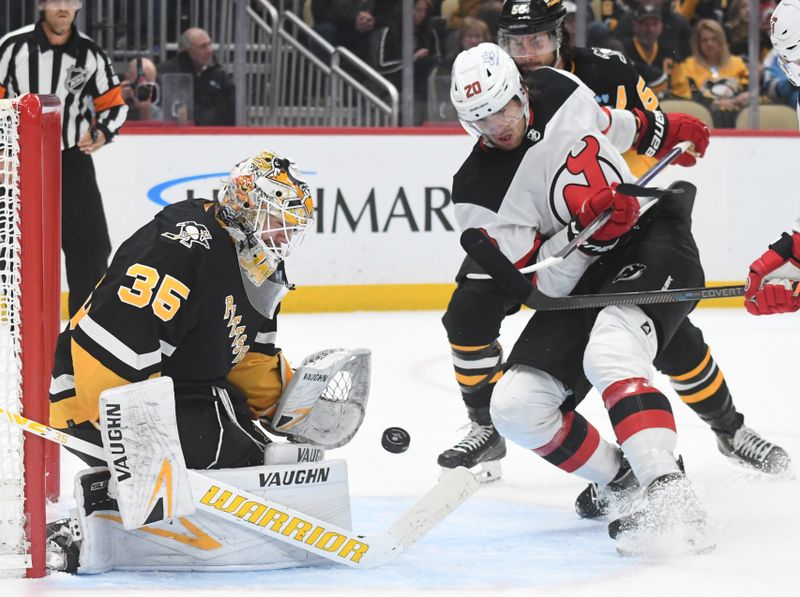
x=660, y=132
x=625, y=211
x=765, y=297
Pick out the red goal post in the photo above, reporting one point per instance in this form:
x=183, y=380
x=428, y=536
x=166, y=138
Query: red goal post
x=30, y=279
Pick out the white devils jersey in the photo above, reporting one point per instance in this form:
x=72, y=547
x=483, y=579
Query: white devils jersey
x=525, y=198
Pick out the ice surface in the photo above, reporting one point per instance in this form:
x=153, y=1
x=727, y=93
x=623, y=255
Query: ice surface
x=520, y=536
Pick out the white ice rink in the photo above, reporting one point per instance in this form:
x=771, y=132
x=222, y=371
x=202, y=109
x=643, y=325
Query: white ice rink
x=520, y=536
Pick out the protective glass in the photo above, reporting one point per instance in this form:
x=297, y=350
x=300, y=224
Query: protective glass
x=530, y=45
x=791, y=69
x=501, y=121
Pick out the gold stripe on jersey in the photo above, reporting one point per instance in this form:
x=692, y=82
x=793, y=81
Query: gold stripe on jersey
x=91, y=378
x=261, y=378
x=638, y=163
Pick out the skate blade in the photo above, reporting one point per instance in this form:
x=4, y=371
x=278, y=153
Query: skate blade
x=484, y=472
x=648, y=543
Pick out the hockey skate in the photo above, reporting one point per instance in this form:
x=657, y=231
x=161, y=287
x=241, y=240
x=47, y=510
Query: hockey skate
x=748, y=448
x=668, y=520
x=480, y=450
x=63, y=546
x=597, y=502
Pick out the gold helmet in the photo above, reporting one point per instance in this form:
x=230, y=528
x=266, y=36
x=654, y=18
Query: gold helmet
x=267, y=208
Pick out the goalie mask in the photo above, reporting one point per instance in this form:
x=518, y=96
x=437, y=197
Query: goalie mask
x=266, y=208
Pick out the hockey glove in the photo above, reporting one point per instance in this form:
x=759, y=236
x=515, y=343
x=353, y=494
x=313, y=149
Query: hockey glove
x=771, y=285
x=624, y=213
x=660, y=132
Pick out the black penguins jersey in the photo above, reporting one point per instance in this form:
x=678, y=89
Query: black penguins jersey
x=171, y=303
x=525, y=198
x=613, y=79
x=615, y=84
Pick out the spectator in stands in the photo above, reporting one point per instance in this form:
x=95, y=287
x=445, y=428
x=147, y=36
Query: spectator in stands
x=214, y=92
x=387, y=52
x=712, y=76
x=489, y=12
x=700, y=9
x=471, y=33
x=737, y=24
x=776, y=85
x=675, y=32
x=140, y=90
x=347, y=23
x=652, y=57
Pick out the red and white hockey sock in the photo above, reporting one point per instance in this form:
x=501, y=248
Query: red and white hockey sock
x=644, y=426
x=578, y=448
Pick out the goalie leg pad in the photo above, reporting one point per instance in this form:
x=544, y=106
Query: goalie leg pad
x=203, y=542
x=140, y=440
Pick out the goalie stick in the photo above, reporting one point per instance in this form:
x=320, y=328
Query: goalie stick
x=293, y=527
x=490, y=258
x=600, y=220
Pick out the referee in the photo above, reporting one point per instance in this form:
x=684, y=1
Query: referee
x=53, y=57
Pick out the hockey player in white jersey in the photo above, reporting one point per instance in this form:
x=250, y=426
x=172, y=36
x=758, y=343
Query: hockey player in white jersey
x=543, y=168
x=772, y=283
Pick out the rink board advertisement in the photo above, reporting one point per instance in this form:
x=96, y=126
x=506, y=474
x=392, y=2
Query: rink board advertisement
x=384, y=234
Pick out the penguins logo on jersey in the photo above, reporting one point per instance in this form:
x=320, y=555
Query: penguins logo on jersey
x=76, y=80
x=630, y=272
x=190, y=233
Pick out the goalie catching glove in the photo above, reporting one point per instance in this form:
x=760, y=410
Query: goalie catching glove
x=325, y=401
x=771, y=285
x=659, y=132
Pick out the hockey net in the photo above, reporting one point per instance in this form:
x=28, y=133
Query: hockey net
x=30, y=221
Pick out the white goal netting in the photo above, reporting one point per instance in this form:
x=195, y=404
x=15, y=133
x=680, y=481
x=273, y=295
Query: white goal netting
x=13, y=541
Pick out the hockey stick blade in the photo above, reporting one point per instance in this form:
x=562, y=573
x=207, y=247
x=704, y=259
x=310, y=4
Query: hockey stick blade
x=489, y=257
x=291, y=526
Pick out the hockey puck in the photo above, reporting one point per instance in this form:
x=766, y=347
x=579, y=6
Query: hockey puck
x=395, y=440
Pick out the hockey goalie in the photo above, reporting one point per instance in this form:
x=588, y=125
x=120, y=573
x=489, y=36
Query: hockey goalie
x=171, y=366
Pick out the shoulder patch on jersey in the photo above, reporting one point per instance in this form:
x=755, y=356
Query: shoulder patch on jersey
x=190, y=233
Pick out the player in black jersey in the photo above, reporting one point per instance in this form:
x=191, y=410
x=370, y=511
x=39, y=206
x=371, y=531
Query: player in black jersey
x=194, y=295
x=532, y=31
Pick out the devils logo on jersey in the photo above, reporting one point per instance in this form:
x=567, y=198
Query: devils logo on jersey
x=584, y=171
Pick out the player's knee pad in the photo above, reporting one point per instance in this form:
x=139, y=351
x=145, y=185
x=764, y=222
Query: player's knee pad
x=622, y=345
x=525, y=406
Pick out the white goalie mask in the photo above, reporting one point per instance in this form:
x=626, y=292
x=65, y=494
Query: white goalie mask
x=784, y=33
x=484, y=81
x=266, y=208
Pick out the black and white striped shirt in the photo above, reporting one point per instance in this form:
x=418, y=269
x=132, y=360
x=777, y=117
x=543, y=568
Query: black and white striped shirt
x=78, y=72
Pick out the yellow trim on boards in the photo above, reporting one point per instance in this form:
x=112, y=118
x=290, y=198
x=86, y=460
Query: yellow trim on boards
x=391, y=297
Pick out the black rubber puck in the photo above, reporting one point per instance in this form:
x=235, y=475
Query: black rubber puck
x=395, y=440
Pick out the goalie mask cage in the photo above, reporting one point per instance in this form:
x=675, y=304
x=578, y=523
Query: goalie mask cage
x=30, y=261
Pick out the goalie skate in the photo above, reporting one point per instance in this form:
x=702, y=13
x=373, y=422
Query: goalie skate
x=63, y=545
x=480, y=451
x=669, y=520
x=749, y=449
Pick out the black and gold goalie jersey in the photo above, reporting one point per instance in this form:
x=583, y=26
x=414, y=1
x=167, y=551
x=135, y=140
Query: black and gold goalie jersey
x=171, y=303
x=615, y=84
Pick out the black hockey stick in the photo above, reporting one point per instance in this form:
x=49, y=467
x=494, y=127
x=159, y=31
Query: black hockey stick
x=490, y=258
